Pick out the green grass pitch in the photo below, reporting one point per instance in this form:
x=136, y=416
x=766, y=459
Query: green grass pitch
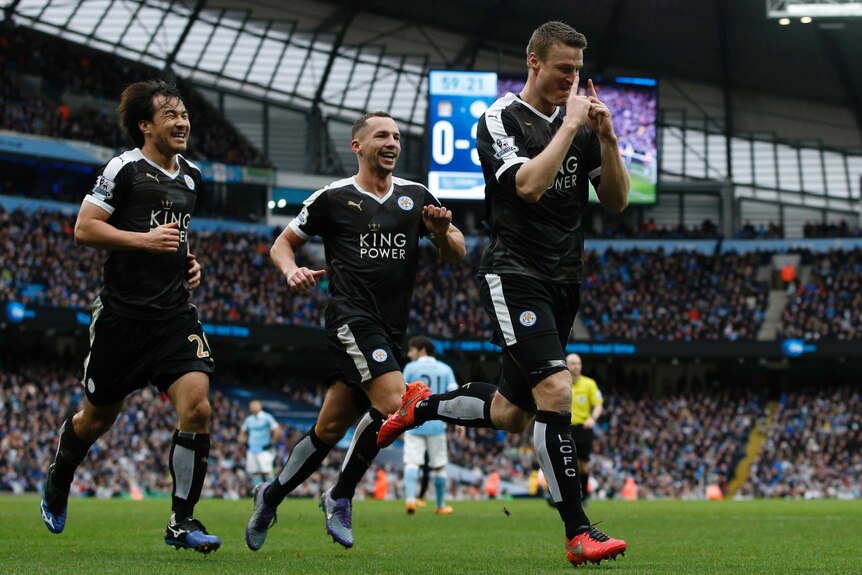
x=665, y=537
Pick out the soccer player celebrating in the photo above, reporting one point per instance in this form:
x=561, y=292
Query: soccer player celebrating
x=143, y=329
x=538, y=149
x=371, y=224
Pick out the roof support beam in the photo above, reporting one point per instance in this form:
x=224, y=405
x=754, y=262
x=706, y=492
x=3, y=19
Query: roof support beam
x=726, y=87
x=172, y=57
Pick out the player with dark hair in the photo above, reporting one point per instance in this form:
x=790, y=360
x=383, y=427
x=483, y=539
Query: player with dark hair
x=538, y=149
x=259, y=432
x=143, y=329
x=371, y=225
x=427, y=443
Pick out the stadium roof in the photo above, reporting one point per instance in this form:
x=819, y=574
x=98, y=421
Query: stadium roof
x=327, y=52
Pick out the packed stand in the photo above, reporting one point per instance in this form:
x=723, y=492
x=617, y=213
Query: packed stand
x=828, y=305
x=446, y=297
x=677, y=296
x=68, y=68
x=831, y=230
x=672, y=446
x=634, y=294
x=813, y=448
x=132, y=458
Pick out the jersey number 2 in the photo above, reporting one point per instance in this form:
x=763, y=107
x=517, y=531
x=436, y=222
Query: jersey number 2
x=202, y=352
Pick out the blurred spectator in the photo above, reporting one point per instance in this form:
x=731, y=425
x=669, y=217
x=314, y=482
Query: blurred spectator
x=831, y=230
x=650, y=230
x=761, y=232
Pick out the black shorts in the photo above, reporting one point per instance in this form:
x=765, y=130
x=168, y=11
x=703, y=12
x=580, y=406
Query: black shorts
x=362, y=351
x=583, y=439
x=532, y=320
x=129, y=354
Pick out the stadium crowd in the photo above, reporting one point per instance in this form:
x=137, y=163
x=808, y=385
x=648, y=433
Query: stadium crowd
x=828, y=305
x=677, y=296
x=673, y=446
x=132, y=458
x=813, y=448
x=632, y=294
x=67, y=69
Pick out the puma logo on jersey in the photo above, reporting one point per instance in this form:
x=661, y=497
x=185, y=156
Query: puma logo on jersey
x=353, y=204
x=153, y=176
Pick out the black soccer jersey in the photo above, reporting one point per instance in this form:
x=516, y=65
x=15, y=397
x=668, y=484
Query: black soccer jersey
x=544, y=239
x=371, y=249
x=141, y=196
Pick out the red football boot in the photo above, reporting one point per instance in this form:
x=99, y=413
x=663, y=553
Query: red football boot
x=593, y=546
x=402, y=420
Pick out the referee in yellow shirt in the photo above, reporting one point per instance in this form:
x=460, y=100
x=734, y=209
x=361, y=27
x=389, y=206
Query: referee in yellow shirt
x=586, y=410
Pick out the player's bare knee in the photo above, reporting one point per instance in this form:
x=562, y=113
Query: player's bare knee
x=196, y=415
x=91, y=425
x=331, y=432
x=507, y=416
x=519, y=422
x=388, y=404
x=554, y=393
x=511, y=419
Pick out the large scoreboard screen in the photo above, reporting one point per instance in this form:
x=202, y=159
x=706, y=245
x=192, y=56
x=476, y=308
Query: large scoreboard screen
x=458, y=99
x=456, y=102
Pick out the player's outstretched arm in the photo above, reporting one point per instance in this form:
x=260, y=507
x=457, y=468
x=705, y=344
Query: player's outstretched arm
x=448, y=239
x=92, y=229
x=283, y=254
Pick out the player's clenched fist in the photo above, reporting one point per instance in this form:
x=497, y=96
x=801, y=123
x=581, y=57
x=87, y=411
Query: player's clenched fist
x=193, y=272
x=163, y=239
x=437, y=219
x=303, y=279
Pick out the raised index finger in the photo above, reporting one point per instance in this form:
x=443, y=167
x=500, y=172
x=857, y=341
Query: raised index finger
x=592, y=88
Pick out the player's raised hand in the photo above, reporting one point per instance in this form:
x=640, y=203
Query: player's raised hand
x=599, y=119
x=437, y=219
x=303, y=279
x=163, y=239
x=193, y=272
x=577, y=106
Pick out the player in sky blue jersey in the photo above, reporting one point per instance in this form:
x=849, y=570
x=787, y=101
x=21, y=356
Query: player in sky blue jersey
x=429, y=437
x=260, y=430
